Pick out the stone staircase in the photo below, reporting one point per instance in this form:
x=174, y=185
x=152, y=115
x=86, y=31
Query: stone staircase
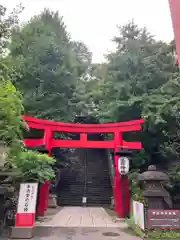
x=87, y=177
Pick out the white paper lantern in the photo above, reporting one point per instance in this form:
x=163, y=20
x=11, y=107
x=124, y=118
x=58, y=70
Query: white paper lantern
x=123, y=165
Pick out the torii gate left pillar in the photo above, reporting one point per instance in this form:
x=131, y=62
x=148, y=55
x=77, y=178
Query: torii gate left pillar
x=117, y=143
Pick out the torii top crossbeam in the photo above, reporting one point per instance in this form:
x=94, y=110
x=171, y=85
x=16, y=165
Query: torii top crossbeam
x=51, y=127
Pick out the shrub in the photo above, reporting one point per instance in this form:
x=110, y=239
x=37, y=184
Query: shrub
x=11, y=123
x=34, y=167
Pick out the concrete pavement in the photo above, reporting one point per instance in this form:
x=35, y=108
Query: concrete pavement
x=82, y=223
x=81, y=217
x=79, y=233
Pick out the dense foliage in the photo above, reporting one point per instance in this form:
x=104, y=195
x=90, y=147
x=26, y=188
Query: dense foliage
x=34, y=167
x=58, y=81
x=51, y=66
x=11, y=109
x=141, y=80
x=7, y=23
x=30, y=166
x=11, y=105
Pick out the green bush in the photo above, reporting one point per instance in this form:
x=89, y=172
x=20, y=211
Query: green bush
x=136, y=191
x=34, y=167
x=11, y=123
x=137, y=231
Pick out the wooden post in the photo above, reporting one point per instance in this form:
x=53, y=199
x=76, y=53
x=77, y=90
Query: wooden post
x=42, y=200
x=121, y=188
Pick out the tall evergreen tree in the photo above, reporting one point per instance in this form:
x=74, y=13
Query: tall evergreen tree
x=50, y=65
x=134, y=84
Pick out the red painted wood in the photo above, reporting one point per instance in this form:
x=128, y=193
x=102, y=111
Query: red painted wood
x=175, y=15
x=84, y=144
x=42, y=200
x=86, y=129
x=118, y=205
x=75, y=125
x=47, y=184
x=83, y=137
x=127, y=197
x=50, y=127
x=33, y=142
x=121, y=209
x=25, y=219
x=48, y=136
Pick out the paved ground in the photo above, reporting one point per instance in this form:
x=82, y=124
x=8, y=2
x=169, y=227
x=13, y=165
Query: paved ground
x=79, y=233
x=81, y=217
x=80, y=223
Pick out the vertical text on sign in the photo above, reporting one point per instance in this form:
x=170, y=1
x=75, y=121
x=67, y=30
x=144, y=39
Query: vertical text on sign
x=27, y=198
x=26, y=211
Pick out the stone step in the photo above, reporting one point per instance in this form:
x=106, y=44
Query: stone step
x=88, y=186
x=79, y=202
x=93, y=173
x=90, y=177
x=87, y=191
x=102, y=195
x=89, y=195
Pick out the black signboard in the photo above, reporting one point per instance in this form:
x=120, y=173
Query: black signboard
x=164, y=219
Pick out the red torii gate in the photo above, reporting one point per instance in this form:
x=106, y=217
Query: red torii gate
x=117, y=143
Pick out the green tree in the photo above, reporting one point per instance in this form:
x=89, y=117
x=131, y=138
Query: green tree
x=50, y=66
x=11, y=108
x=133, y=86
x=7, y=23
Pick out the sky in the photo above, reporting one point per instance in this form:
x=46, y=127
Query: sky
x=95, y=21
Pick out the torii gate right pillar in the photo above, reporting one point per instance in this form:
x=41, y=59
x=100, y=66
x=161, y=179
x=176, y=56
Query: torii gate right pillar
x=121, y=189
x=122, y=196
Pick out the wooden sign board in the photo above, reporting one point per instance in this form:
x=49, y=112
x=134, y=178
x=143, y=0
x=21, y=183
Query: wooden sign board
x=164, y=219
x=26, y=210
